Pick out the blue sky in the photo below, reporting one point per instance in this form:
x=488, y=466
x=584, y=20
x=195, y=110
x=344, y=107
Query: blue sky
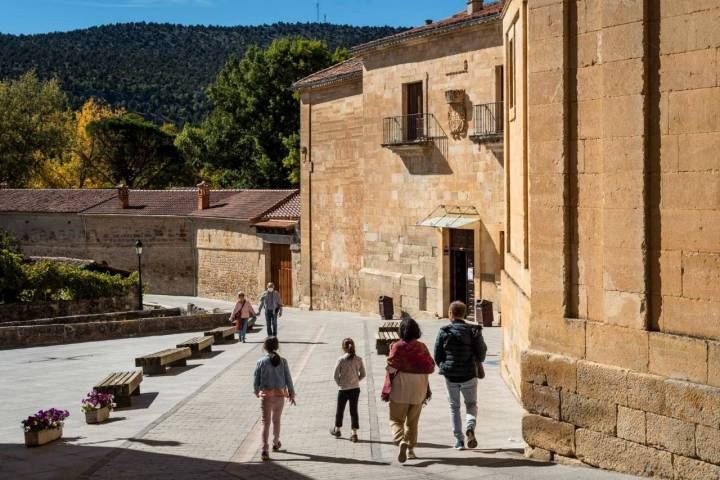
x=40, y=16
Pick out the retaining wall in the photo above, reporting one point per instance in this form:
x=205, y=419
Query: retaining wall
x=15, y=312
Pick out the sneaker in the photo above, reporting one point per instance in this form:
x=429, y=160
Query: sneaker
x=471, y=440
x=354, y=438
x=402, y=456
x=411, y=454
x=265, y=456
x=459, y=444
x=335, y=432
x=276, y=448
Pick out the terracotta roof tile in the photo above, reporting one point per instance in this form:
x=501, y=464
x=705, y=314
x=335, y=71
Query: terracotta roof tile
x=246, y=204
x=52, y=200
x=176, y=202
x=490, y=11
x=290, y=210
x=350, y=68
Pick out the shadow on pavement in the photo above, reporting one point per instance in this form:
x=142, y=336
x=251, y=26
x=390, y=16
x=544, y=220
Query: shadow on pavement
x=491, y=462
x=173, y=371
x=155, y=443
x=62, y=460
x=144, y=400
x=309, y=457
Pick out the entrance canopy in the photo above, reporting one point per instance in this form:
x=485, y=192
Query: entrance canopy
x=449, y=216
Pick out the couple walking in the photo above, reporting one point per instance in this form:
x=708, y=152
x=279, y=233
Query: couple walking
x=243, y=312
x=459, y=353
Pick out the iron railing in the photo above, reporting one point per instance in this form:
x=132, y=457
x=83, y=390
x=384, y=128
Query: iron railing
x=410, y=129
x=488, y=121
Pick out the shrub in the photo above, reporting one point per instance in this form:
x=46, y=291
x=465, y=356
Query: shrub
x=9, y=242
x=49, y=280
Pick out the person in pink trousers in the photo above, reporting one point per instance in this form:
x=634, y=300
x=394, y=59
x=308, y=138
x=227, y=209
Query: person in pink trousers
x=273, y=385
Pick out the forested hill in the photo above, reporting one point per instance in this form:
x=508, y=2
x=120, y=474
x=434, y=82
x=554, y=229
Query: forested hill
x=157, y=70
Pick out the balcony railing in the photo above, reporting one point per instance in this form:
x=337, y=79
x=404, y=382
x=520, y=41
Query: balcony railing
x=410, y=130
x=488, y=122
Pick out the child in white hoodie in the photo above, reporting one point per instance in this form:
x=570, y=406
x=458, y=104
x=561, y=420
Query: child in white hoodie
x=349, y=371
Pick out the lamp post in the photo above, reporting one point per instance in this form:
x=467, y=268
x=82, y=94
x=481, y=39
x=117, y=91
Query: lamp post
x=138, y=250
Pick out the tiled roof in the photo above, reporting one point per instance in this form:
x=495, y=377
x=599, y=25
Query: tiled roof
x=52, y=200
x=177, y=202
x=246, y=204
x=289, y=210
x=489, y=12
x=350, y=68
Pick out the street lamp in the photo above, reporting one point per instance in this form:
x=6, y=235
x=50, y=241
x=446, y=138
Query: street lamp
x=138, y=250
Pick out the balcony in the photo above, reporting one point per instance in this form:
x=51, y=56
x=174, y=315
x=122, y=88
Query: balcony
x=410, y=132
x=488, y=123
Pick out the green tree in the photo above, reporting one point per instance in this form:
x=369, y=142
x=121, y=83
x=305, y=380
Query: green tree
x=250, y=134
x=136, y=152
x=35, y=127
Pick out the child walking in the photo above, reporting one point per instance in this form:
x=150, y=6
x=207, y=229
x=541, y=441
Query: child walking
x=273, y=384
x=349, y=371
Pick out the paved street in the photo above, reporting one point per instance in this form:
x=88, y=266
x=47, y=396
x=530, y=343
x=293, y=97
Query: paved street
x=202, y=421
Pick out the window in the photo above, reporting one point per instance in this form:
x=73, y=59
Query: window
x=511, y=66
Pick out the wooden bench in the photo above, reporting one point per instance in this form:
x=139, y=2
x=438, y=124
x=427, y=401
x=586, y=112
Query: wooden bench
x=383, y=341
x=157, y=363
x=221, y=333
x=393, y=326
x=198, y=345
x=122, y=385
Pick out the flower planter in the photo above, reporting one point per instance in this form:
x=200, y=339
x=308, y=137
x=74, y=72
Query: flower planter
x=41, y=437
x=97, y=416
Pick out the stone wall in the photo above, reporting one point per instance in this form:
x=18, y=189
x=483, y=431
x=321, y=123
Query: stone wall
x=57, y=334
x=362, y=202
x=14, y=312
x=230, y=258
x=620, y=369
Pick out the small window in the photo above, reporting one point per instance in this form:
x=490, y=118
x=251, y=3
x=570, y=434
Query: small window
x=511, y=69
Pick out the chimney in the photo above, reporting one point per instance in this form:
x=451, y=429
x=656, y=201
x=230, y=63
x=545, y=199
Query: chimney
x=474, y=6
x=123, y=196
x=203, y=196
x=428, y=21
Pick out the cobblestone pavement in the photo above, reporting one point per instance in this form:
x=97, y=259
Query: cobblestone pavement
x=211, y=429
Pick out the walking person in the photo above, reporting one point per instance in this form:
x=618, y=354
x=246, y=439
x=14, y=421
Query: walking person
x=349, y=371
x=459, y=353
x=273, y=384
x=241, y=315
x=270, y=301
x=407, y=387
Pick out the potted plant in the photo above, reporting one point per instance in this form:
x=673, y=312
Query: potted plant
x=44, y=427
x=97, y=406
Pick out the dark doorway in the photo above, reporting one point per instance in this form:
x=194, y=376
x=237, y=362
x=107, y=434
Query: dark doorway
x=281, y=271
x=414, y=111
x=462, y=268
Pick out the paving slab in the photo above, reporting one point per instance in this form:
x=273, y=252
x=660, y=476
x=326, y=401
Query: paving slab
x=202, y=421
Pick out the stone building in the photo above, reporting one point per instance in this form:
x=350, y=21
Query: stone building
x=196, y=242
x=402, y=170
x=611, y=282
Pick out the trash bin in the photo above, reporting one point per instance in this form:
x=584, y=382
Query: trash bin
x=385, y=305
x=484, y=313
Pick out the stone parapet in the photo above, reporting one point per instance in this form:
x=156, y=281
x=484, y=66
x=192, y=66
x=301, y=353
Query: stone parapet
x=15, y=312
x=42, y=335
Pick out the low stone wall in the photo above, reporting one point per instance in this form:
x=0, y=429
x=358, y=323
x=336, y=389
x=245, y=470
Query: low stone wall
x=15, y=312
x=56, y=334
x=98, y=317
x=619, y=419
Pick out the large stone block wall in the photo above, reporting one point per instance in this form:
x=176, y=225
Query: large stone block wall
x=333, y=190
x=620, y=419
x=405, y=187
x=621, y=366
x=50, y=234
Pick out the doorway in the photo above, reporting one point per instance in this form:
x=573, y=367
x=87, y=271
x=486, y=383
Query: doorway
x=281, y=271
x=462, y=268
x=414, y=111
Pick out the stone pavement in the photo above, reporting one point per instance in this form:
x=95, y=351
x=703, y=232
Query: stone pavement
x=203, y=421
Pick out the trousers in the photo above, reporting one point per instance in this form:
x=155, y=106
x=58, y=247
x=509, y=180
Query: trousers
x=271, y=409
x=345, y=396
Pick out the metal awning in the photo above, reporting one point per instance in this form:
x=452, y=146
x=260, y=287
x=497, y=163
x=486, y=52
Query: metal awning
x=448, y=216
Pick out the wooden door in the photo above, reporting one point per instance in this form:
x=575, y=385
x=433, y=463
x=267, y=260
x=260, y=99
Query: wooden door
x=281, y=271
x=462, y=271
x=414, y=109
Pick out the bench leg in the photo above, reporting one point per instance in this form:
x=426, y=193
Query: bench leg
x=154, y=369
x=136, y=392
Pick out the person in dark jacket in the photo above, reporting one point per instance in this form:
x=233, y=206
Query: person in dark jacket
x=459, y=350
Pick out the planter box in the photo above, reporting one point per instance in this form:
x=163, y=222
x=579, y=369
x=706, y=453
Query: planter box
x=41, y=437
x=98, y=416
